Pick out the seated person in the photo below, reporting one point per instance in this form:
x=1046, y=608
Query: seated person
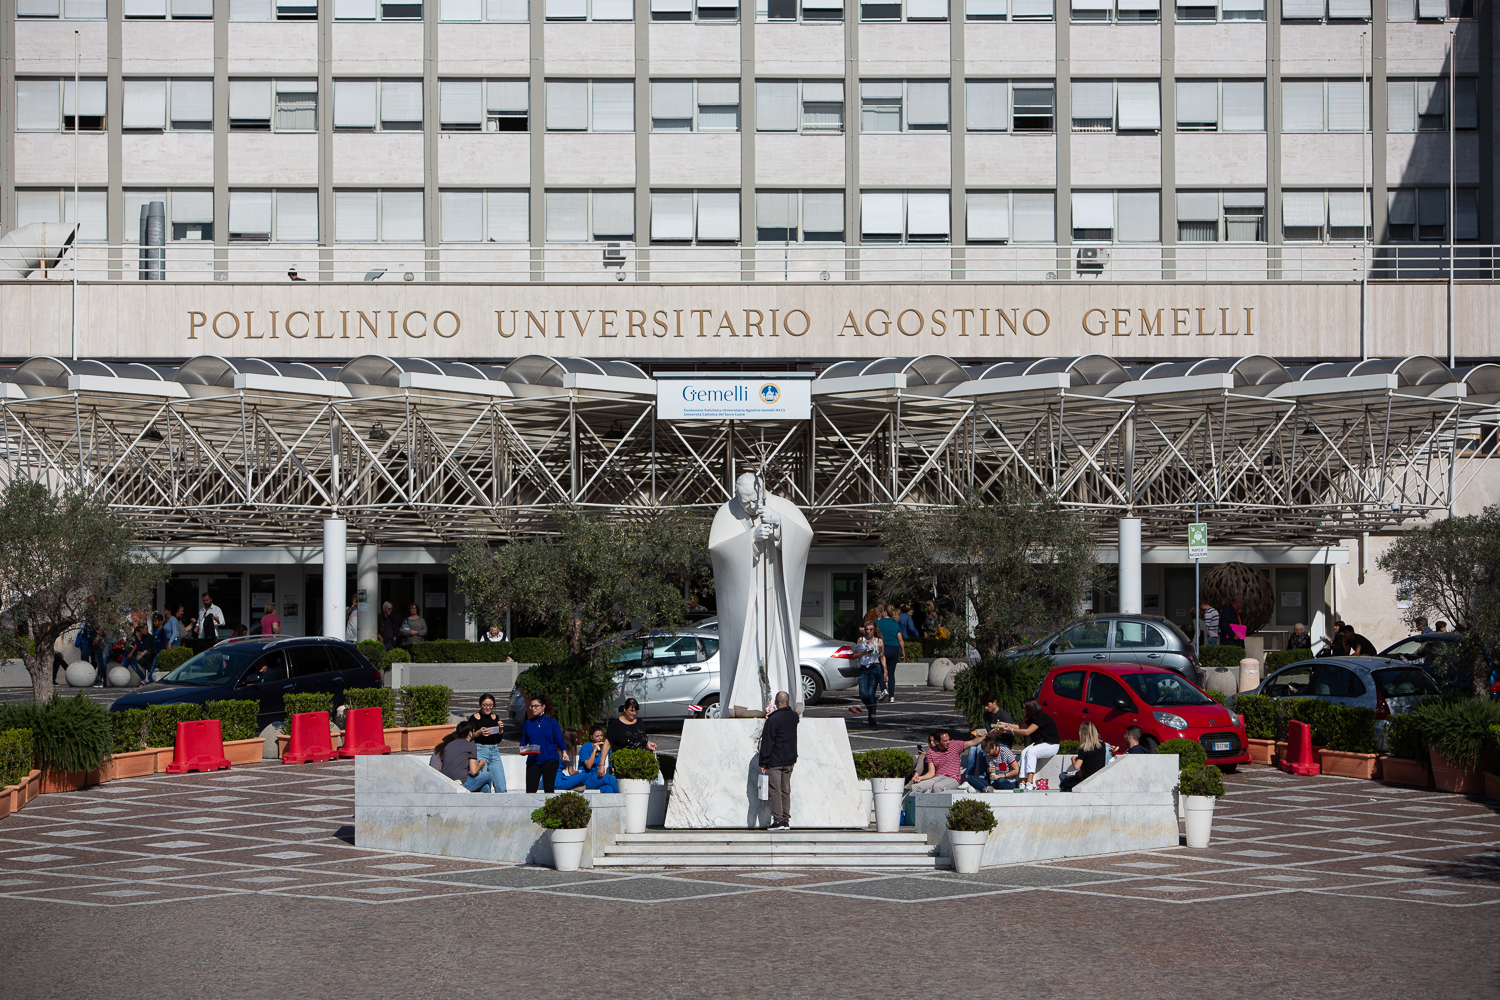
x=593, y=764
x=460, y=759
x=1299, y=639
x=1133, y=740
x=569, y=774
x=995, y=766
x=1045, y=741
x=1091, y=756
x=942, y=766
x=993, y=713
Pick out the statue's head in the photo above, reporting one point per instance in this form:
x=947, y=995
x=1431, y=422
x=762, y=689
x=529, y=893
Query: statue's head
x=747, y=489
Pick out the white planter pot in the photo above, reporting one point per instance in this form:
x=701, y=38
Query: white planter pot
x=637, y=794
x=888, y=793
x=567, y=848
x=968, y=849
x=1181, y=801
x=1200, y=819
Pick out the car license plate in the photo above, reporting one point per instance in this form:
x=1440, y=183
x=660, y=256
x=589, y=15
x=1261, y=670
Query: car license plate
x=1223, y=746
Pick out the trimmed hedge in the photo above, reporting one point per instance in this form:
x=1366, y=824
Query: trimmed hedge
x=161, y=722
x=396, y=656
x=1190, y=753
x=460, y=651
x=128, y=727
x=1220, y=656
x=236, y=718
x=169, y=660
x=1283, y=658
x=1403, y=738
x=1200, y=779
x=16, y=756
x=425, y=704
x=308, y=701
x=914, y=650
x=884, y=763
x=1013, y=679
x=1458, y=728
x=538, y=650
x=382, y=698
x=374, y=651
x=1261, y=715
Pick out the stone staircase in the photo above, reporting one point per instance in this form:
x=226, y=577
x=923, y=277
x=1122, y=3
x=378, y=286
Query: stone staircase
x=762, y=849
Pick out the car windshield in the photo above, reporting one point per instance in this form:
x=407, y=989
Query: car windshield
x=816, y=634
x=213, y=666
x=1402, y=682
x=1157, y=689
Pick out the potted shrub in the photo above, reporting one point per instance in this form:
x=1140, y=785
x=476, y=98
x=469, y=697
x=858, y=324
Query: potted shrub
x=16, y=755
x=70, y=737
x=1349, y=750
x=1406, y=763
x=636, y=769
x=374, y=650
x=1190, y=753
x=969, y=824
x=131, y=758
x=1199, y=785
x=566, y=817
x=1457, y=734
x=298, y=704
x=424, y=713
x=887, y=771
x=1261, y=715
x=383, y=698
x=236, y=718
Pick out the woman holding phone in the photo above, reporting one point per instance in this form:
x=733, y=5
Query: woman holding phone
x=489, y=731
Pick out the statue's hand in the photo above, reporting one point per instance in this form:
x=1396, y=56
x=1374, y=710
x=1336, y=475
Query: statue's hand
x=765, y=532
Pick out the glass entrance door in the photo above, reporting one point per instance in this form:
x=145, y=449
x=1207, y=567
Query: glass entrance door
x=848, y=604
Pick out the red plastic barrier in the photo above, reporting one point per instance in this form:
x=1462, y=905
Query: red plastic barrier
x=200, y=747
x=310, y=739
x=1299, y=752
x=363, y=733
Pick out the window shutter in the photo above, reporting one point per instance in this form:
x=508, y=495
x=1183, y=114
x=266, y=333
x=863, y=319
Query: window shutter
x=1403, y=207
x=192, y=206
x=193, y=8
x=927, y=10
x=401, y=101
x=509, y=95
x=37, y=8
x=354, y=10
x=1198, y=103
x=354, y=104
x=567, y=215
x=1348, y=208
x=1348, y=8
x=1302, y=106
x=1302, y=209
x=1244, y=199
x=927, y=213
x=672, y=215
x=567, y=10
x=1346, y=106
x=1432, y=97
x=718, y=215
x=719, y=106
x=91, y=10
x=36, y=106
x=775, y=107
x=671, y=6
x=296, y=216
x=92, y=215
x=1093, y=210
x=1140, y=5
x=1401, y=107
x=354, y=216
x=250, y=100
x=1437, y=9
x=509, y=215
x=719, y=92
x=251, y=10
x=880, y=213
x=927, y=104
x=1466, y=214
x=459, y=104
x=1031, y=9
x=1197, y=206
x=567, y=106
x=776, y=210
x=613, y=10
x=1092, y=4
x=1033, y=218
x=37, y=206
x=1093, y=99
x=91, y=98
x=1432, y=206
x=822, y=4
x=513, y=11
x=192, y=100
x=985, y=10
x=249, y=213
x=401, y=217
x=987, y=107
x=1401, y=10
x=1140, y=217
x=671, y=99
x=1258, y=6
x=823, y=212
x=1140, y=106
x=460, y=10
x=614, y=215
x=145, y=104
x=988, y=218
x=461, y=216
x=1292, y=10
x=146, y=8
x=1244, y=106
x=614, y=107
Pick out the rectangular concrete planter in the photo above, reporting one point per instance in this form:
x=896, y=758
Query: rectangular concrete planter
x=1261, y=751
x=1448, y=778
x=1400, y=771
x=33, y=785
x=62, y=781
x=1348, y=765
x=13, y=797
x=424, y=737
x=1492, y=786
x=245, y=751
x=136, y=764
x=163, y=757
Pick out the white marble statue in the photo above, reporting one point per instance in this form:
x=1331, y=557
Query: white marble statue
x=758, y=545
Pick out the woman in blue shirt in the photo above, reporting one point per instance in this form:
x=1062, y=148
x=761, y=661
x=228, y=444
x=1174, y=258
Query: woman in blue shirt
x=542, y=732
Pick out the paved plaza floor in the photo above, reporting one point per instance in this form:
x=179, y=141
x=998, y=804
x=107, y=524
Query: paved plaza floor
x=251, y=882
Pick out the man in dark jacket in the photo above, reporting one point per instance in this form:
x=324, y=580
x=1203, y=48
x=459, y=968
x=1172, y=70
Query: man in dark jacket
x=778, y=754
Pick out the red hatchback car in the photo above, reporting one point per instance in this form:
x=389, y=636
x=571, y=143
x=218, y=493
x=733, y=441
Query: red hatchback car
x=1162, y=702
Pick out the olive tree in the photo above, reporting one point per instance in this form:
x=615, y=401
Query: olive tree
x=66, y=560
x=1006, y=564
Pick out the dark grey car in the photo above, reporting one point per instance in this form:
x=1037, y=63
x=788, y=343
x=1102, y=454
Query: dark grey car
x=1389, y=687
x=1149, y=640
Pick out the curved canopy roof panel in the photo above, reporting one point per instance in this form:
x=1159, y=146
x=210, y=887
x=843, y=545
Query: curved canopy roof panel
x=1482, y=380
x=54, y=372
x=842, y=369
x=1419, y=369
x=1256, y=369
x=210, y=369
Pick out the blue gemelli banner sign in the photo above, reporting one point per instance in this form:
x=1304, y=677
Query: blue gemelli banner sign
x=763, y=398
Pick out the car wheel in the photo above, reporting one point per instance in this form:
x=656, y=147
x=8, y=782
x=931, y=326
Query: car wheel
x=711, y=708
x=1149, y=742
x=812, y=686
x=1228, y=768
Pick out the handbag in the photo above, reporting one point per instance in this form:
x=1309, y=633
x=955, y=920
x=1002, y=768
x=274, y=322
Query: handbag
x=763, y=788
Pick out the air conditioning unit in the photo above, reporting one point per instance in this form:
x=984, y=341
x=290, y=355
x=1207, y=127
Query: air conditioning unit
x=1092, y=256
x=614, y=255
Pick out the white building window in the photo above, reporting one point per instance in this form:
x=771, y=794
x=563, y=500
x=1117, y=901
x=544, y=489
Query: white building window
x=162, y=10
x=1117, y=216
x=1422, y=105
x=378, y=217
x=695, y=105
x=1221, y=216
x=273, y=105
x=485, y=216
x=799, y=216
x=1008, y=106
x=903, y=10
x=1116, y=10
x=588, y=10
x=806, y=106
x=1007, y=10
x=1326, y=10
x=694, y=10
x=590, y=106
x=1221, y=106
x=904, y=217
x=1421, y=214
x=1010, y=217
x=590, y=216
x=703, y=217
x=273, y=10
x=47, y=106
x=376, y=10
x=1325, y=216
x=1116, y=106
x=790, y=10
x=1324, y=106
x=484, y=105
x=377, y=105
x=190, y=214
x=278, y=216
x=903, y=106
x=1221, y=10
x=55, y=206
x=69, y=10
x=161, y=105
x=1428, y=10
x=498, y=11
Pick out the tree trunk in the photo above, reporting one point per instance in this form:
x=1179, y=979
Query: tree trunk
x=41, y=676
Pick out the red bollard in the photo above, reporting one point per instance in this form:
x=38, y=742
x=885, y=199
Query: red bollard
x=200, y=747
x=363, y=733
x=1299, y=753
x=310, y=739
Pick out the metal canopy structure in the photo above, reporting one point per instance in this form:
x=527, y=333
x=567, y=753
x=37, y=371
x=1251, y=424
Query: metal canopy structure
x=251, y=452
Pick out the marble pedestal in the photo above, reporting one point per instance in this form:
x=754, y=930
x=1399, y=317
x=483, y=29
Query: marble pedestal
x=718, y=770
